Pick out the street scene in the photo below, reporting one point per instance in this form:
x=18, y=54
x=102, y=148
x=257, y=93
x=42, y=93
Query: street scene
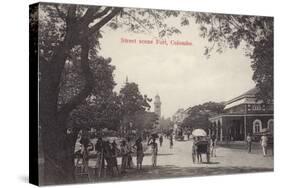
x=135, y=94
x=177, y=162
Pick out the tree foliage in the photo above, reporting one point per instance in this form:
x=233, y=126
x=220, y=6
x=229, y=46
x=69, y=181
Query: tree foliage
x=166, y=123
x=134, y=105
x=71, y=73
x=254, y=33
x=132, y=100
x=198, y=116
x=98, y=113
x=144, y=120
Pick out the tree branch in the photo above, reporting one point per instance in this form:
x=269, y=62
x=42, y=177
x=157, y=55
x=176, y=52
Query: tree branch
x=88, y=16
x=85, y=92
x=102, y=13
x=105, y=20
x=60, y=13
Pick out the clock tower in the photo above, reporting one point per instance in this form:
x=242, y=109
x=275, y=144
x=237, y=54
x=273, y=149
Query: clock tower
x=157, y=106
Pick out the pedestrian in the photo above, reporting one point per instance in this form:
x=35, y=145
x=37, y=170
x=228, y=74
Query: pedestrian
x=124, y=153
x=188, y=134
x=264, y=140
x=194, y=150
x=213, y=145
x=154, y=152
x=249, y=142
x=171, y=141
x=130, y=159
x=198, y=148
x=140, y=153
x=161, y=140
x=100, y=157
x=115, y=152
x=86, y=147
x=108, y=158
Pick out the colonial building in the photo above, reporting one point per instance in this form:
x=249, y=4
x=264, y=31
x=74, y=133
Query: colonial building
x=242, y=115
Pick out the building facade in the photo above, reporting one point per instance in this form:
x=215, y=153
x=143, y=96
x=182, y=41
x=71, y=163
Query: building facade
x=242, y=115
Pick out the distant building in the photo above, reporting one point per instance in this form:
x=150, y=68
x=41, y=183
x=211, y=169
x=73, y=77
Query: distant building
x=180, y=115
x=242, y=115
x=157, y=108
x=157, y=105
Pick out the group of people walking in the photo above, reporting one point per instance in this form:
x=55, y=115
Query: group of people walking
x=107, y=153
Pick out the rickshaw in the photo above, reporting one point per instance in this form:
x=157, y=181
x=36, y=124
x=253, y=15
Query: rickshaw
x=201, y=145
x=179, y=134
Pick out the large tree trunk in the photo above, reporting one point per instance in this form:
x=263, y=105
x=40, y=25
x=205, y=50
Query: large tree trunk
x=52, y=123
x=58, y=147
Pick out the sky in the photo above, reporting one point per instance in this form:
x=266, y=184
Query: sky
x=181, y=75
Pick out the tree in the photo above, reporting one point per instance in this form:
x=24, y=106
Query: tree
x=70, y=34
x=253, y=32
x=165, y=124
x=99, y=114
x=132, y=102
x=132, y=99
x=144, y=120
x=198, y=116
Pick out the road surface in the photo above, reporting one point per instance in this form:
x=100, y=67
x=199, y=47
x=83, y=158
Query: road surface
x=177, y=162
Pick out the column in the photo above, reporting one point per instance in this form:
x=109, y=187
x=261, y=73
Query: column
x=221, y=133
x=217, y=131
x=245, y=128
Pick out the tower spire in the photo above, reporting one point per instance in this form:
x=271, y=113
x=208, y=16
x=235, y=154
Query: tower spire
x=127, y=80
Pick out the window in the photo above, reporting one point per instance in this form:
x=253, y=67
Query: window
x=256, y=107
x=257, y=126
x=270, y=125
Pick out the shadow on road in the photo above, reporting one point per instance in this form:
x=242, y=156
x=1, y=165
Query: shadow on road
x=159, y=154
x=171, y=171
x=210, y=163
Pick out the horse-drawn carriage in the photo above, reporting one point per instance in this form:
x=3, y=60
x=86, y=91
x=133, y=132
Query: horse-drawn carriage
x=201, y=145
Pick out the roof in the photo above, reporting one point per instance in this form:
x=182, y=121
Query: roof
x=250, y=93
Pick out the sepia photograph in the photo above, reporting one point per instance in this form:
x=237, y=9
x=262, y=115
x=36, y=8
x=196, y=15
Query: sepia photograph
x=135, y=93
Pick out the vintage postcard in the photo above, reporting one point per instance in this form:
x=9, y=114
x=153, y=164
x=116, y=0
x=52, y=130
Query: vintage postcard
x=133, y=94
